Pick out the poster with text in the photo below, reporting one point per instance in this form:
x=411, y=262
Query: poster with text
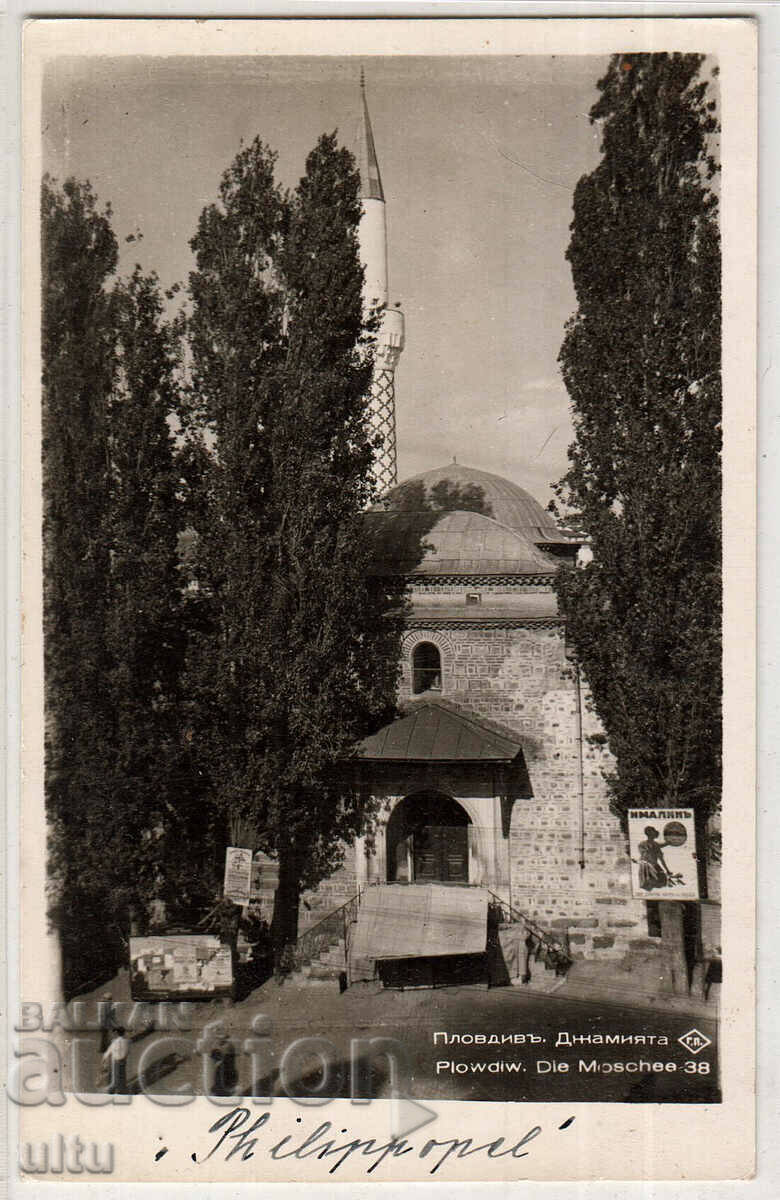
x=238, y=874
x=663, y=853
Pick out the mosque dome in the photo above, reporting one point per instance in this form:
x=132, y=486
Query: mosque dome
x=451, y=543
x=504, y=501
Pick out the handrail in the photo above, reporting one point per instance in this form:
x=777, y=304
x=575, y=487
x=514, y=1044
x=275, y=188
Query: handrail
x=547, y=939
x=306, y=943
x=346, y=913
x=333, y=912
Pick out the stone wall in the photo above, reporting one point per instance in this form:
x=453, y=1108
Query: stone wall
x=521, y=678
x=331, y=893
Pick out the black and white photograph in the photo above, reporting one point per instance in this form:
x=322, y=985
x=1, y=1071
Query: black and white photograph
x=381, y=442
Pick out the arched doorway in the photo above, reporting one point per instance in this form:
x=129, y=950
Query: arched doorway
x=428, y=840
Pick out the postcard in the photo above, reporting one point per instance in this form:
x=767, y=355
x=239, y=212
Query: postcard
x=388, y=514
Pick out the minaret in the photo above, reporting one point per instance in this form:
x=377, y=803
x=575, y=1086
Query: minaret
x=372, y=236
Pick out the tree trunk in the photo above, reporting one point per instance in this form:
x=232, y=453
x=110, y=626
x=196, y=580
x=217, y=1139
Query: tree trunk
x=284, y=923
x=702, y=851
x=676, y=971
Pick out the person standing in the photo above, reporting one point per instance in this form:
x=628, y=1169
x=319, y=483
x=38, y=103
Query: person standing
x=116, y=1058
x=228, y=918
x=105, y=1020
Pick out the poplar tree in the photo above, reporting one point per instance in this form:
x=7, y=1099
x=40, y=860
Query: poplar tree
x=235, y=336
x=79, y=256
x=154, y=823
x=641, y=362
x=299, y=650
x=114, y=783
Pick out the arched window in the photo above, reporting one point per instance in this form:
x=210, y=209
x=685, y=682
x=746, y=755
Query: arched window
x=426, y=668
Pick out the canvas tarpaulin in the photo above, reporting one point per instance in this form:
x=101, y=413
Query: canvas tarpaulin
x=420, y=921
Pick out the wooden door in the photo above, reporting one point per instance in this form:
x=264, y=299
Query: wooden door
x=455, y=853
x=441, y=854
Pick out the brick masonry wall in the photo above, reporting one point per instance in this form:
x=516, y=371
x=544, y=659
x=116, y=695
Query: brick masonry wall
x=331, y=893
x=522, y=679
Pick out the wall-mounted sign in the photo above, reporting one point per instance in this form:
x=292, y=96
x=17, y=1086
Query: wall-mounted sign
x=662, y=843
x=238, y=874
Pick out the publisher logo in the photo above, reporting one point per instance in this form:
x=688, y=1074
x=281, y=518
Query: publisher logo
x=694, y=1041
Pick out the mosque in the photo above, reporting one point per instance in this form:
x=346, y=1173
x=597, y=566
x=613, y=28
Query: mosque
x=488, y=789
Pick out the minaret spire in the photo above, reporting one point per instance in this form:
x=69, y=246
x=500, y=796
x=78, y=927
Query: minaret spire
x=368, y=164
x=372, y=235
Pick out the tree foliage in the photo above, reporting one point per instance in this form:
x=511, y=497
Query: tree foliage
x=445, y=496
x=297, y=654
x=111, y=584
x=79, y=256
x=641, y=362
x=157, y=820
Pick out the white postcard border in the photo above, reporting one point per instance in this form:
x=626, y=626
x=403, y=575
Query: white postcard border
x=683, y=1141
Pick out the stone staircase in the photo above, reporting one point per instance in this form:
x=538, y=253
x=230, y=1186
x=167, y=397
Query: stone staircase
x=321, y=950
x=552, y=945
x=323, y=966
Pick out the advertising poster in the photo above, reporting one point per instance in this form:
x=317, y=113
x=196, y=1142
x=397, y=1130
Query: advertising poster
x=238, y=875
x=663, y=853
x=167, y=966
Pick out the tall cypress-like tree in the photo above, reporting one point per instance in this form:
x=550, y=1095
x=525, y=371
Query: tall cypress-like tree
x=111, y=585
x=79, y=253
x=235, y=343
x=641, y=362
x=299, y=652
x=152, y=821
x=329, y=628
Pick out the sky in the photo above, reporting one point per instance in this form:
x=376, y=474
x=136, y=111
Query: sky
x=479, y=159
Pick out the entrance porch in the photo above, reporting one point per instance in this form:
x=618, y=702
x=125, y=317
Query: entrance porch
x=446, y=782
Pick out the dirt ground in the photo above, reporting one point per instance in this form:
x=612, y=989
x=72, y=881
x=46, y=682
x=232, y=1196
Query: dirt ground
x=298, y=1040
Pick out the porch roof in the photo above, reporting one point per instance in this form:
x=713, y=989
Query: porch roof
x=437, y=732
